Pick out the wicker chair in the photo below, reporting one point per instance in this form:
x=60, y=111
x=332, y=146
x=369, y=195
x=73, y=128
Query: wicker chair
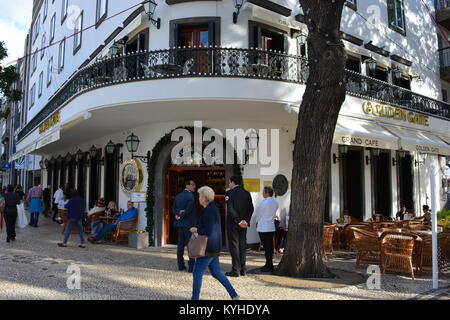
x=424, y=258
x=123, y=229
x=397, y=251
x=327, y=240
x=368, y=246
x=348, y=234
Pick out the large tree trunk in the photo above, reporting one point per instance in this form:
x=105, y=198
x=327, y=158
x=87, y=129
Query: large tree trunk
x=322, y=100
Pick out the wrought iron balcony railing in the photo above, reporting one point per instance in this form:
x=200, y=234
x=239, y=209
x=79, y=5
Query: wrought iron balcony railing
x=220, y=62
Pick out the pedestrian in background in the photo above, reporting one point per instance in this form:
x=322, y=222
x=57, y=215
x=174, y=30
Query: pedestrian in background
x=75, y=210
x=11, y=201
x=35, y=199
x=265, y=226
x=57, y=197
x=239, y=212
x=47, y=198
x=208, y=224
x=184, y=211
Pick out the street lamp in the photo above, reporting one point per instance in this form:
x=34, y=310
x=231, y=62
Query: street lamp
x=238, y=5
x=398, y=73
x=114, y=49
x=110, y=148
x=149, y=8
x=422, y=157
x=343, y=149
x=401, y=155
x=372, y=65
x=132, y=143
x=251, y=142
x=375, y=154
x=301, y=38
x=46, y=163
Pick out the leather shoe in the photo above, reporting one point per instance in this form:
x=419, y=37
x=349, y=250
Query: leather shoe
x=243, y=273
x=266, y=269
x=232, y=274
x=182, y=268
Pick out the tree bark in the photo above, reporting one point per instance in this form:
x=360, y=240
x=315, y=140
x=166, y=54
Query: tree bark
x=325, y=92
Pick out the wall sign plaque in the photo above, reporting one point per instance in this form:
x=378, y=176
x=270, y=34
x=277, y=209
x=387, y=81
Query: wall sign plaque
x=132, y=176
x=280, y=185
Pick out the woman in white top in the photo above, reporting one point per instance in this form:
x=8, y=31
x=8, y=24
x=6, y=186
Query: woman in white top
x=265, y=225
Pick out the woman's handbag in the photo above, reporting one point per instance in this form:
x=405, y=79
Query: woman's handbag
x=197, y=246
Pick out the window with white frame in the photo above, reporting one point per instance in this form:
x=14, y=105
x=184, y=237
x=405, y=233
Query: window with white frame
x=52, y=28
x=49, y=71
x=396, y=15
x=41, y=83
x=33, y=63
x=77, y=33
x=62, y=51
x=45, y=10
x=64, y=5
x=32, y=95
x=43, y=44
x=101, y=10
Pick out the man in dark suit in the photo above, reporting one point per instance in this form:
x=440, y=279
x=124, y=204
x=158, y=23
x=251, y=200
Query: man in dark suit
x=239, y=212
x=184, y=210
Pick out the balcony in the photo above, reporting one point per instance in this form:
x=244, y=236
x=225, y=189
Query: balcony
x=221, y=62
x=443, y=13
x=444, y=60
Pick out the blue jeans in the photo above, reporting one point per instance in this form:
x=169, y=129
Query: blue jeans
x=34, y=218
x=96, y=226
x=70, y=224
x=107, y=228
x=214, y=268
x=183, y=239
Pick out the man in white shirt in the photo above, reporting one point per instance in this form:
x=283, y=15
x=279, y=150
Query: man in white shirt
x=265, y=225
x=57, y=197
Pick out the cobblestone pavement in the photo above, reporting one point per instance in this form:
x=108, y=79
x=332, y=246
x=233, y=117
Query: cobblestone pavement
x=34, y=267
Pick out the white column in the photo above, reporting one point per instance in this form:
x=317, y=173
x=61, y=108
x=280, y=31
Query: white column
x=367, y=187
x=335, y=198
x=394, y=183
x=434, y=205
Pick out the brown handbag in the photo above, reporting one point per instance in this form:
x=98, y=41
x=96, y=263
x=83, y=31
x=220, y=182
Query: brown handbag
x=197, y=246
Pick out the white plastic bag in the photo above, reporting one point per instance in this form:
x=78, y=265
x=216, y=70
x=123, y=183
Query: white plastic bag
x=22, y=220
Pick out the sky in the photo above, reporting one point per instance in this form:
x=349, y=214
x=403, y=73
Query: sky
x=15, y=21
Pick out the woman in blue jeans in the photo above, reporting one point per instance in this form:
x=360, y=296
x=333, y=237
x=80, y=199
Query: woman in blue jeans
x=208, y=224
x=75, y=210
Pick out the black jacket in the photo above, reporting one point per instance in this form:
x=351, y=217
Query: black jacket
x=239, y=206
x=11, y=200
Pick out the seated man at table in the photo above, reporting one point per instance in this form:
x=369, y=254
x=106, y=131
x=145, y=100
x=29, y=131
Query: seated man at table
x=401, y=214
x=427, y=214
x=131, y=213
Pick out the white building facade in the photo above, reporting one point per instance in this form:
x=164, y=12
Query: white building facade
x=110, y=72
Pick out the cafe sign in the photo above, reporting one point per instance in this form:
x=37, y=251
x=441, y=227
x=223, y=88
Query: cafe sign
x=50, y=122
x=388, y=112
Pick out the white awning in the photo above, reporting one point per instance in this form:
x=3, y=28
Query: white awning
x=41, y=142
x=420, y=141
x=446, y=139
x=355, y=132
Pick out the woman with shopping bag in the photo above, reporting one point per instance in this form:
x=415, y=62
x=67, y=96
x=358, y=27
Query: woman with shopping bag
x=208, y=224
x=22, y=220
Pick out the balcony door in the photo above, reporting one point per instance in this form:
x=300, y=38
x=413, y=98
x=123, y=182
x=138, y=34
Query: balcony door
x=198, y=37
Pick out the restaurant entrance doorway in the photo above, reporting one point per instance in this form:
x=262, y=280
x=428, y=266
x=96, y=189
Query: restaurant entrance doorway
x=353, y=187
x=175, y=177
x=382, y=185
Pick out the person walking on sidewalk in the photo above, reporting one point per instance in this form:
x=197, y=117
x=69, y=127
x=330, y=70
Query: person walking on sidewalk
x=11, y=201
x=47, y=198
x=75, y=210
x=208, y=224
x=184, y=211
x=57, y=197
x=35, y=199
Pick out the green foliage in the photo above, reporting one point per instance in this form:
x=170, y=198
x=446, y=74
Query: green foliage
x=443, y=214
x=8, y=76
x=151, y=166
